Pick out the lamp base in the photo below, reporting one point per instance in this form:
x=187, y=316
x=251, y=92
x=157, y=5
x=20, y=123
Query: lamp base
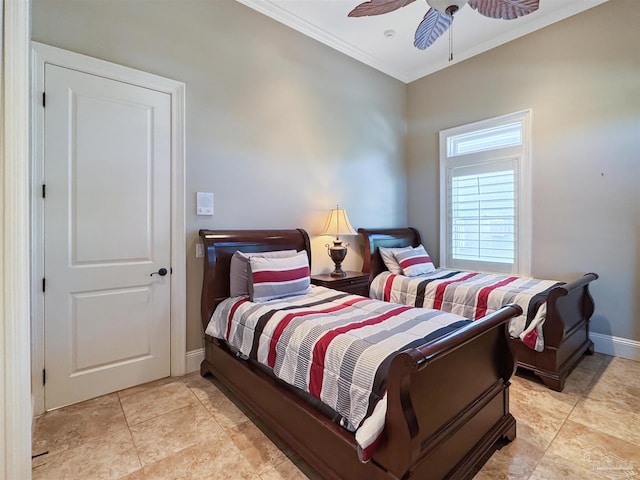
x=337, y=252
x=338, y=272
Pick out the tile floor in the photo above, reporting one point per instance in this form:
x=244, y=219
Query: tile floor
x=187, y=428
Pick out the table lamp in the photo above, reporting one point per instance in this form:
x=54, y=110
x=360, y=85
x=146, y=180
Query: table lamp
x=338, y=224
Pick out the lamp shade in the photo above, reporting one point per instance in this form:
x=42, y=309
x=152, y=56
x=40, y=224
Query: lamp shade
x=338, y=223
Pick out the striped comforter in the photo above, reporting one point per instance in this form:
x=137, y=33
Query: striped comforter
x=472, y=295
x=333, y=345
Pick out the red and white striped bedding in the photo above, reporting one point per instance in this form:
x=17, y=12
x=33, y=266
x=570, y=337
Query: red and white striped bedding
x=333, y=345
x=472, y=295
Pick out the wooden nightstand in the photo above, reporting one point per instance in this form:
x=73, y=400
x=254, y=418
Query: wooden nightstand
x=356, y=283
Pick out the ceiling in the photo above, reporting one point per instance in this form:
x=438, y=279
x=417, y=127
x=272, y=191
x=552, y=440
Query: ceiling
x=368, y=39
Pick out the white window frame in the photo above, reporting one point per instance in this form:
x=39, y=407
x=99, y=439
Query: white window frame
x=522, y=156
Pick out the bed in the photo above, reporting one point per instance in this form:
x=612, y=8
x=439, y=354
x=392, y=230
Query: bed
x=447, y=399
x=565, y=330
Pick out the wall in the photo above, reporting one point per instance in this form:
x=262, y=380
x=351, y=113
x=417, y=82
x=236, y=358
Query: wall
x=279, y=127
x=581, y=77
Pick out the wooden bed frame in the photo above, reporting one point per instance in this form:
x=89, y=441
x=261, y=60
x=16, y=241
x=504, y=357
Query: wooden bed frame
x=566, y=328
x=448, y=401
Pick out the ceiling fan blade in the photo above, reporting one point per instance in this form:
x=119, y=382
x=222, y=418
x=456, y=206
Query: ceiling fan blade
x=505, y=9
x=433, y=25
x=378, y=7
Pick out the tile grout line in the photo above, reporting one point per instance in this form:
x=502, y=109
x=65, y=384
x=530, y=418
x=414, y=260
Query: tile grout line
x=544, y=452
x=285, y=447
x=207, y=410
x=197, y=402
x=130, y=434
x=259, y=475
x=142, y=466
x=580, y=397
x=160, y=414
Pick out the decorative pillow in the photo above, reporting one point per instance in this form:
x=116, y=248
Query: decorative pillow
x=390, y=261
x=239, y=270
x=278, y=277
x=415, y=262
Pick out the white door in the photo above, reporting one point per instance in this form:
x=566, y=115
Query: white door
x=107, y=166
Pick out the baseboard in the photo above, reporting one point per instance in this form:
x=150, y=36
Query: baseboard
x=194, y=359
x=616, y=346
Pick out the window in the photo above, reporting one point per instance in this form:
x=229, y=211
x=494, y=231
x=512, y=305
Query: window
x=485, y=195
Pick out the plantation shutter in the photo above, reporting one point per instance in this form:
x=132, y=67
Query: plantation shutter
x=482, y=216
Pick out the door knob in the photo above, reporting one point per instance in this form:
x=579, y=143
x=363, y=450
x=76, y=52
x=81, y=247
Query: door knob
x=162, y=272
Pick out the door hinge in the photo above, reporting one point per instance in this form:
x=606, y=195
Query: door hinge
x=44, y=99
x=44, y=377
x=44, y=284
x=44, y=191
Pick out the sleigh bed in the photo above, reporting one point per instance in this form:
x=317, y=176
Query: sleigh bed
x=447, y=399
x=565, y=330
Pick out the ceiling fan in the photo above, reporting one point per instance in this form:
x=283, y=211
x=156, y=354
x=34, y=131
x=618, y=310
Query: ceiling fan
x=440, y=16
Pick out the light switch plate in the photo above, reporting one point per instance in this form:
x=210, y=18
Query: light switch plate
x=204, y=204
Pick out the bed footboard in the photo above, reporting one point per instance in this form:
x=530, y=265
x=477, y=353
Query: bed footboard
x=566, y=333
x=448, y=405
x=448, y=401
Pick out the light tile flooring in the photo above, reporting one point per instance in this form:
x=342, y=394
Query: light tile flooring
x=187, y=428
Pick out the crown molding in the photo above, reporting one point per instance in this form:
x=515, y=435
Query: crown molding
x=410, y=73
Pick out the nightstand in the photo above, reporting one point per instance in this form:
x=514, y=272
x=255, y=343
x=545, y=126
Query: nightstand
x=356, y=283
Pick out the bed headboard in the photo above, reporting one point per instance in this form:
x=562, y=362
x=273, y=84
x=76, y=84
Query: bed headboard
x=384, y=237
x=219, y=247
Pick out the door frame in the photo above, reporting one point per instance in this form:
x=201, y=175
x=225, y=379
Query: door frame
x=15, y=407
x=45, y=54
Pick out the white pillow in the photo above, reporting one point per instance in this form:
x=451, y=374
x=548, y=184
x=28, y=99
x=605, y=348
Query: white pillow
x=239, y=269
x=278, y=277
x=389, y=259
x=415, y=262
